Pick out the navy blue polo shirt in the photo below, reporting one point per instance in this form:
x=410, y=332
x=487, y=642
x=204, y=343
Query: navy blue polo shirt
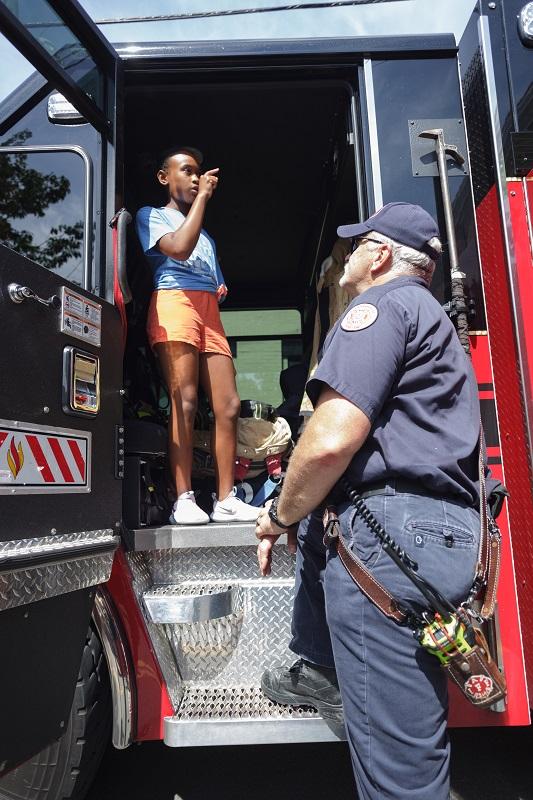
x=395, y=354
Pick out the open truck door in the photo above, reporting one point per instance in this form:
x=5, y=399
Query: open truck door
x=61, y=368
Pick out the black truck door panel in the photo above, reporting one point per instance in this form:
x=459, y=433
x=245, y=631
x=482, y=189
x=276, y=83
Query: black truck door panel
x=60, y=380
x=74, y=453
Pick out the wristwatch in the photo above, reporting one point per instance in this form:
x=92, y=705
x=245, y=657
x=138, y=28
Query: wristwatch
x=273, y=514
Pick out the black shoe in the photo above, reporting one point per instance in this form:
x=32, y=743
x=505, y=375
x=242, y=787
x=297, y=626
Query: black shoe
x=305, y=684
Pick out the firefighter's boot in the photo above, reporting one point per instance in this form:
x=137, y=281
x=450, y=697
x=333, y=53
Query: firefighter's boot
x=305, y=684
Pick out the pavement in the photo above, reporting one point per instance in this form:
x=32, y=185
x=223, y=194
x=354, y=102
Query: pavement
x=487, y=764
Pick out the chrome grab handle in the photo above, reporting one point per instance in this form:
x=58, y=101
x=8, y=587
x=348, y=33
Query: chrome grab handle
x=458, y=302
x=18, y=294
x=444, y=150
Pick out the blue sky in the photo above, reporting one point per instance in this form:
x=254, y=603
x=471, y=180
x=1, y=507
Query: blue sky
x=407, y=17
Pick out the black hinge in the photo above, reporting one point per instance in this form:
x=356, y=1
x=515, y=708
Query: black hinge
x=119, y=451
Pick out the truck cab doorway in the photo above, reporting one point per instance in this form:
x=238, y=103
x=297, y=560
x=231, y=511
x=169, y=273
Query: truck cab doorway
x=287, y=175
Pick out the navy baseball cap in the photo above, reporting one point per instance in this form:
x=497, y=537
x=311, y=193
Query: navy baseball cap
x=404, y=222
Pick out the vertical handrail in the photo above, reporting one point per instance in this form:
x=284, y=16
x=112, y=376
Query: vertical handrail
x=457, y=277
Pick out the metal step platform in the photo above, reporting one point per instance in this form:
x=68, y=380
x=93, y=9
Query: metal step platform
x=243, y=715
x=216, y=625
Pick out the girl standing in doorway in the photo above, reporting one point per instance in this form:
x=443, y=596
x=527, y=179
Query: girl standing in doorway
x=186, y=333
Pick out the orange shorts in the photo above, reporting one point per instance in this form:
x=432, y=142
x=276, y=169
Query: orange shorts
x=177, y=315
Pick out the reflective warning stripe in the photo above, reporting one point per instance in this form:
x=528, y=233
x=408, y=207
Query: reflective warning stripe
x=40, y=460
x=37, y=458
x=61, y=460
x=78, y=458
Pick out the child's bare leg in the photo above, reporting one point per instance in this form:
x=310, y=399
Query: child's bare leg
x=179, y=365
x=217, y=377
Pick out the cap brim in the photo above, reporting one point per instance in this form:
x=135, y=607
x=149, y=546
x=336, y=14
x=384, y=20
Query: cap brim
x=349, y=231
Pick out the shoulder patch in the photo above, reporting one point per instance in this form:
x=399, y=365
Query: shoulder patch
x=360, y=317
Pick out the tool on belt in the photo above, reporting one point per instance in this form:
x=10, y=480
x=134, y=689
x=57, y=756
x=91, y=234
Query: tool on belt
x=451, y=634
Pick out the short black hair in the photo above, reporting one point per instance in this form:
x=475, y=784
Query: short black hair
x=190, y=151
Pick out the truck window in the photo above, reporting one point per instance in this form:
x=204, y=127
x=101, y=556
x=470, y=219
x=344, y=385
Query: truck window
x=62, y=45
x=260, y=357
x=19, y=68
x=41, y=207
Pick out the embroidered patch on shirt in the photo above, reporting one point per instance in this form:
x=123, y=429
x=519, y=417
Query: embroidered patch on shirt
x=360, y=317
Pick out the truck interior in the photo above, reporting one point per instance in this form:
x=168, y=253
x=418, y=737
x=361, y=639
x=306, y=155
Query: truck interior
x=286, y=153
x=287, y=178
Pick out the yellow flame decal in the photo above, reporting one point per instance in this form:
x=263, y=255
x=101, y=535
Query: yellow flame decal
x=15, y=457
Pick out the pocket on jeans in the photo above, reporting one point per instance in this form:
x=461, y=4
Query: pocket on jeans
x=362, y=541
x=428, y=532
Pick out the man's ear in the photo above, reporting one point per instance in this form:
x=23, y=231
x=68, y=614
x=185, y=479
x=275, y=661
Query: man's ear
x=162, y=177
x=382, y=259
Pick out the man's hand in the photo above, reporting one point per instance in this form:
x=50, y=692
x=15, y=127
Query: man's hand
x=269, y=533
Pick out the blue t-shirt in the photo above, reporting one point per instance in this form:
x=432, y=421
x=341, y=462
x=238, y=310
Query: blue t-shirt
x=201, y=271
x=399, y=360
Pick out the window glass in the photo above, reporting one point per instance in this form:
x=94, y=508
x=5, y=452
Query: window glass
x=40, y=19
x=366, y=19
x=263, y=343
x=19, y=68
x=41, y=207
x=269, y=322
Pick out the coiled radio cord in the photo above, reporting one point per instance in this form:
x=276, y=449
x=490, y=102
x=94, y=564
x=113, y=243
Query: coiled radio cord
x=404, y=561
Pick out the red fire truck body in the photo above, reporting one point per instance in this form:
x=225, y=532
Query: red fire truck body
x=180, y=623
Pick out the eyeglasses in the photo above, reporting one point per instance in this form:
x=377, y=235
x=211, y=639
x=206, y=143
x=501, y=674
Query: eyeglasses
x=356, y=241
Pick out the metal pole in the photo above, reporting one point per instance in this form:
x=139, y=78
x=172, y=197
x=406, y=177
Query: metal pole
x=457, y=277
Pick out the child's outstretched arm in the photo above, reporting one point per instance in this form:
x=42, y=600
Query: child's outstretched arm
x=180, y=243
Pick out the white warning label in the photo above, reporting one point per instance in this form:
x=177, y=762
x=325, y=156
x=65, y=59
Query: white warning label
x=80, y=317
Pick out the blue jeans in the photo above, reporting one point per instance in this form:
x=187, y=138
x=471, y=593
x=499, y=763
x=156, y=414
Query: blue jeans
x=394, y=693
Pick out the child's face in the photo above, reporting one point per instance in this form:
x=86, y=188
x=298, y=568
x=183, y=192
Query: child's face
x=181, y=176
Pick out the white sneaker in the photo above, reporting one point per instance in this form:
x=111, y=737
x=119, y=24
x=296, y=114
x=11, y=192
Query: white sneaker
x=187, y=512
x=231, y=509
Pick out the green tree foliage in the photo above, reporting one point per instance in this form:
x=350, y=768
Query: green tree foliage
x=25, y=191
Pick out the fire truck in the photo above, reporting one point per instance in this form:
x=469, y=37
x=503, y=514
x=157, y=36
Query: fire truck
x=115, y=624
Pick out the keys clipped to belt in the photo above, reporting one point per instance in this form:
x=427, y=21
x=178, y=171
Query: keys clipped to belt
x=331, y=524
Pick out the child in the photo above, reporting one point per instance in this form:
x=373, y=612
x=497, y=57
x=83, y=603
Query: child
x=185, y=331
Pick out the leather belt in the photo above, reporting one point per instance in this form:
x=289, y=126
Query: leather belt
x=395, y=486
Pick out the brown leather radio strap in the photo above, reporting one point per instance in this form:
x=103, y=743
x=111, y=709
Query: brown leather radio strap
x=487, y=571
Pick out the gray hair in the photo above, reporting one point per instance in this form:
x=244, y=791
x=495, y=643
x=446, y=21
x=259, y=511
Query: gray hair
x=406, y=260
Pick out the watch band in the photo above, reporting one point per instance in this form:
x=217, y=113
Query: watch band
x=273, y=514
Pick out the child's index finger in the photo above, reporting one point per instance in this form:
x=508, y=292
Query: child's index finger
x=212, y=171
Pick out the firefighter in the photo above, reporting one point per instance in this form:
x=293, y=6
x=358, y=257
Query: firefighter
x=397, y=413
x=185, y=331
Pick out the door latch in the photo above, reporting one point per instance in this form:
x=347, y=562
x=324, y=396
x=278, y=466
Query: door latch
x=18, y=294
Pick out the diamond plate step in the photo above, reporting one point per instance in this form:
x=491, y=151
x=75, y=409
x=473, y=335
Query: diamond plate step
x=191, y=602
x=170, y=537
x=243, y=715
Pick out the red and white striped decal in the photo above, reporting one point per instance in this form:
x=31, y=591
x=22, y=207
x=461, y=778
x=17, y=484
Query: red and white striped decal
x=36, y=458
